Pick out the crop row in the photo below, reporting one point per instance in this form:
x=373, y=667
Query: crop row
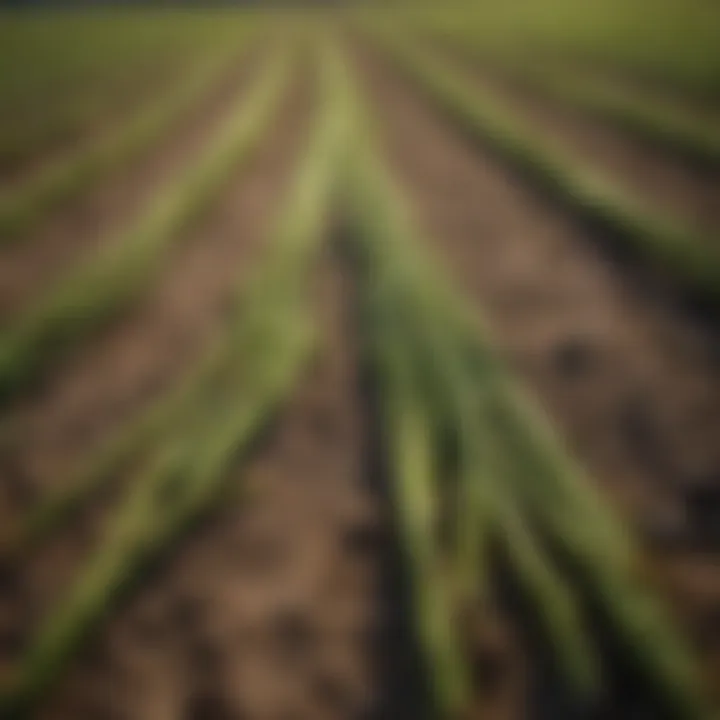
x=26, y=203
x=110, y=281
x=662, y=243
x=62, y=74
x=214, y=417
x=649, y=118
x=666, y=45
x=473, y=464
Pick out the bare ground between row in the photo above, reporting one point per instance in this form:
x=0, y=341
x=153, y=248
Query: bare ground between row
x=276, y=606
x=134, y=361
x=631, y=383
x=115, y=106
x=662, y=182
x=70, y=234
x=111, y=377
x=700, y=103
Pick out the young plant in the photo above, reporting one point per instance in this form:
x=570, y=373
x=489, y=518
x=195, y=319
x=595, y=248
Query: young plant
x=185, y=473
x=661, y=242
x=474, y=466
x=112, y=280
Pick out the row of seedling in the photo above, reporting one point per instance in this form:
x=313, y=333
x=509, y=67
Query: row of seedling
x=480, y=480
x=477, y=476
x=24, y=204
x=659, y=122
x=668, y=48
x=61, y=76
x=661, y=242
x=186, y=457
x=115, y=276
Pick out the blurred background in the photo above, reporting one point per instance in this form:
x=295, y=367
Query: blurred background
x=360, y=360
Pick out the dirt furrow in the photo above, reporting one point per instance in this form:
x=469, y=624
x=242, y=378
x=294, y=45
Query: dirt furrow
x=633, y=386
x=661, y=182
x=132, y=363
x=273, y=608
x=106, y=113
x=142, y=353
x=697, y=101
x=78, y=228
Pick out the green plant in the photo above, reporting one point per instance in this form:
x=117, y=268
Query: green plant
x=661, y=122
x=26, y=204
x=661, y=242
x=467, y=450
x=185, y=473
x=109, y=282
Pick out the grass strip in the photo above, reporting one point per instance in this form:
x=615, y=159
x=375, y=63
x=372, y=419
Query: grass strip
x=24, y=205
x=525, y=489
x=662, y=243
x=570, y=511
x=413, y=395
x=186, y=474
x=100, y=289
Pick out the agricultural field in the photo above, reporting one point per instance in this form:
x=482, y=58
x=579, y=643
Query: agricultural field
x=360, y=362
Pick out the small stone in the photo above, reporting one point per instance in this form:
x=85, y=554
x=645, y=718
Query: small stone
x=208, y=705
x=574, y=357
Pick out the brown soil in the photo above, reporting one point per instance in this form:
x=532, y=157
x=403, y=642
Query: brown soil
x=83, y=401
x=633, y=385
x=695, y=101
x=289, y=602
x=134, y=360
x=661, y=182
x=276, y=608
x=109, y=108
x=72, y=232
x=705, y=113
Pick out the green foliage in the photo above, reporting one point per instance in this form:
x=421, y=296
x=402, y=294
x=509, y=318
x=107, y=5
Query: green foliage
x=670, y=126
x=667, y=41
x=112, y=280
x=184, y=474
x=468, y=450
x=64, y=71
x=662, y=242
x=28, y=202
